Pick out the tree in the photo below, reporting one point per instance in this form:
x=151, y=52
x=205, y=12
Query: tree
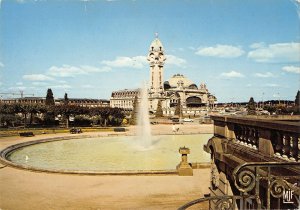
x=8, y=114
x=49, y=98
x=251, y=107
x=66, y=99
x=134, y=111
x=178, y=110
x=25, y=109
x=116, y=116
x=159, y=111
x=49, y=118
x=297, y=99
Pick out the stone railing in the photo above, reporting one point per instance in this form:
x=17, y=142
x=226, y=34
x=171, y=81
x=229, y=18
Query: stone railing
x=276, y=138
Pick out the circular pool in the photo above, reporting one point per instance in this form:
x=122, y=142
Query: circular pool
x=106, y=154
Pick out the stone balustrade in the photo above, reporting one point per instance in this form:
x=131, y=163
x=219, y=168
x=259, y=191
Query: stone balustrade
x=277, y=138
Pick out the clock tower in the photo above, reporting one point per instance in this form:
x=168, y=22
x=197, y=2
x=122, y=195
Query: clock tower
x=156, y=58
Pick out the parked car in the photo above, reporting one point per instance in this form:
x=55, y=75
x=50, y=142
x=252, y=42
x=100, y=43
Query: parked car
x=188, y=120
x=175, y=119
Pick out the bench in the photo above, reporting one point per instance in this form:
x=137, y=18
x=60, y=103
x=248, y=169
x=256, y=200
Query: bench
x=75, y=130
x=26, y=134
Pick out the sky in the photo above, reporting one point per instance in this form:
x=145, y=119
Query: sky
x=89, y=48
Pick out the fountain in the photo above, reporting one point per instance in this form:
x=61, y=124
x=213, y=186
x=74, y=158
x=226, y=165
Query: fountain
x=143, y=128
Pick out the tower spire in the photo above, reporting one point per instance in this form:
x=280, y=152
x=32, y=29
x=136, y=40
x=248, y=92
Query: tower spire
x=156, y=34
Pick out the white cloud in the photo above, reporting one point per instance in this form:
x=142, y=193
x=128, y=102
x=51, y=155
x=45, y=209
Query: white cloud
x=60, y=86
x=291, y=69
x=37, y=77
x=139, y=62
x=264, y=75
x=71, y=71
x=232, y=74
x=39, y=83
x=257, y=45
x=222, y=51
x=18, y=88
x=297, y=5
x=19, y=83
x=174, y=60
x=271, y=85
x=1, y=64
x=276, y=53
x=87, y=86
x=136, y=62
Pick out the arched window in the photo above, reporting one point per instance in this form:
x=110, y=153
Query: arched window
x=193, y=101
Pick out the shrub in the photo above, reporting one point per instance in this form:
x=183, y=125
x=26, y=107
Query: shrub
x=83, y=121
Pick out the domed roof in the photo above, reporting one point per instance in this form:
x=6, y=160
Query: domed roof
x=179, y=78
x=156, y=45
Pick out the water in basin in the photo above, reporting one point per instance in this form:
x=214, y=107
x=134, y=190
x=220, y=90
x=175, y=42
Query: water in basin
x=111, y=153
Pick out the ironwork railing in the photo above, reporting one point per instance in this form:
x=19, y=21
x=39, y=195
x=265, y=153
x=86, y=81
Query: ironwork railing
x=281, y=180
x=225, y=202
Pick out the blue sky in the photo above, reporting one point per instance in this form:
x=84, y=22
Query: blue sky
x=89, y=48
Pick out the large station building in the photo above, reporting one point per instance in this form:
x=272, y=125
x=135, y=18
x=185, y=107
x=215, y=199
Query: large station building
x=178, y=89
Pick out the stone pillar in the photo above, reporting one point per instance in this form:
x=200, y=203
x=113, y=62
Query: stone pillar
x=184, y=168
x=265, y=145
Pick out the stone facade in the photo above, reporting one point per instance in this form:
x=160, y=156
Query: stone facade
x=84, y=102
x=177, y=89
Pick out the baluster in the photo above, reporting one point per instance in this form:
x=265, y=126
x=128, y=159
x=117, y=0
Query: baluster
x=287, y=146
x=237, y=131
x=294, y=147
x=249, y=134
x=242, y=134
x=251, y=137
x=246, y=136
x=255, y=139
x=279, y=144
x=298, y=148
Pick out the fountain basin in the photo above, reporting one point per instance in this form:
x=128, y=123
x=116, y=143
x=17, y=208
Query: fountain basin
x=105, y=155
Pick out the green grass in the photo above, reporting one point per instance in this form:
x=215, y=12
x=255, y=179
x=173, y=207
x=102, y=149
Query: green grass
x=6, y=132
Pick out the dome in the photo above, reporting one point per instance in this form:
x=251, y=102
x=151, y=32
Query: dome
x=179, y=78
x=193, y=86
x=156, y=45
